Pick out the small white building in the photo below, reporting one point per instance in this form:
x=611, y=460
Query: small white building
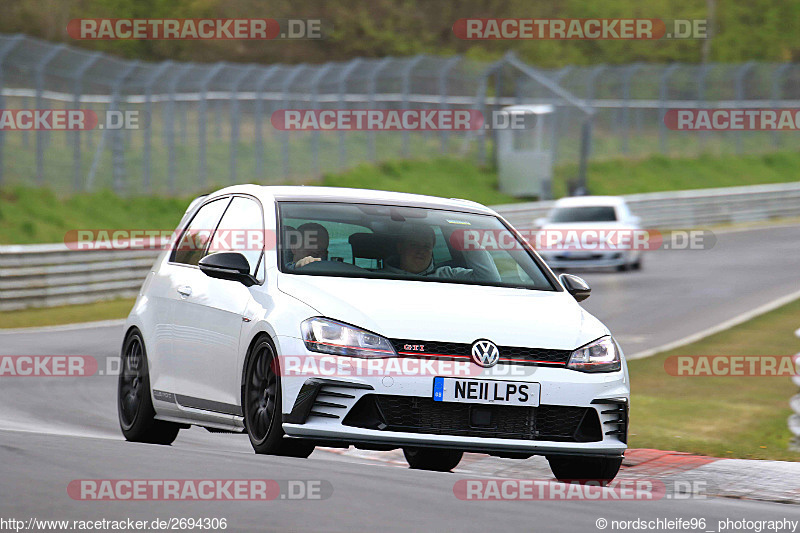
x=525, y=155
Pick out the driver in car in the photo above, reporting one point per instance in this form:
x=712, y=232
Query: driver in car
x=312, y=245
x=415, y=256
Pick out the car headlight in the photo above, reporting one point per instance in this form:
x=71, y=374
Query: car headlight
x=601, y=355
x=329, y=336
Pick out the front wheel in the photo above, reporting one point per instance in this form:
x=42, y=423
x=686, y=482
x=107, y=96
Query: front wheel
x=579, y=469
x=262, y=405
x=134, y=404
x=432, y=459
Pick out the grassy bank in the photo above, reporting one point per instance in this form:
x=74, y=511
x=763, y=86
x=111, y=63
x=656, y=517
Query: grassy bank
x=743, y=417
x=68, y=314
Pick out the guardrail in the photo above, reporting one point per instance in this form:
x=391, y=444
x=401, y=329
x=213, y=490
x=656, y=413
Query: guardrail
x=52, y=274
x=687, y=209
x=48, y=275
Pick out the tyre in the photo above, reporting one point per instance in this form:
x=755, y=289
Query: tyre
x=578, y=469
x=261, y=399
x=432, y=459
x=637, y=265
x=134, y=403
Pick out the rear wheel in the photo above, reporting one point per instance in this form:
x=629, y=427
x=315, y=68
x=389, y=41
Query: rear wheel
x=134, y=404
x=432, y=459
x=578, y=469
x=262, y=405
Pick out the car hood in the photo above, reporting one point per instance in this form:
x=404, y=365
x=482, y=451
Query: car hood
x=431, y=311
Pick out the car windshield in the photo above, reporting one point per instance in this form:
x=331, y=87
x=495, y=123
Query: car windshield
x=596, y=213
x=398, y=242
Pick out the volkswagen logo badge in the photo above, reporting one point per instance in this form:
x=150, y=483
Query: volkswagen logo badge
x=485, y=353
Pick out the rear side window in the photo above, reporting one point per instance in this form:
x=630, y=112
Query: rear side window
x=599, y=213
x=241, y=230
x=194, y=240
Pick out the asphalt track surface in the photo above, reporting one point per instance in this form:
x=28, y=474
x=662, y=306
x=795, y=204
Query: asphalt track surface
x=55, y=430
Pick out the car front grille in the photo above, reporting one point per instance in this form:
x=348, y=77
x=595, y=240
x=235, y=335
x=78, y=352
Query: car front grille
x=457, y=350
x=424, y=415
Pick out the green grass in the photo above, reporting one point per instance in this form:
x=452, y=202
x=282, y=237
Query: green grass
x=742, y=417
x=446, y=177
x=68, y=314
x=29, y=215
x=658, y=173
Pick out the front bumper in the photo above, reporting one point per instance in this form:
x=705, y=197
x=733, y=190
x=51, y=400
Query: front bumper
x=329, y=408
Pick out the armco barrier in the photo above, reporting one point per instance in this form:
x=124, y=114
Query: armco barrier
x=688, y=209
x=51, y=274
x=47, y=275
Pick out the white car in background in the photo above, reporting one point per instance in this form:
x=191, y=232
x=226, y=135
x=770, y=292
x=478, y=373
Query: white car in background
x=228, y=334
x=591, y=215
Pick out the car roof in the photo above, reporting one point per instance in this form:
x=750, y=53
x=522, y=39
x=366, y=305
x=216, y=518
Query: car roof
x=590, y=201
x=342, y=194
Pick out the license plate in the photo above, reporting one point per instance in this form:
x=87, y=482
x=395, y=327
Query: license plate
x=486, y=391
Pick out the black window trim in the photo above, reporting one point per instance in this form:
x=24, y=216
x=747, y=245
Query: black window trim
x=229, y=197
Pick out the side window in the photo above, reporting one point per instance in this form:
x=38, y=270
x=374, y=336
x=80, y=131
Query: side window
x=241, y=230
x=192, y=245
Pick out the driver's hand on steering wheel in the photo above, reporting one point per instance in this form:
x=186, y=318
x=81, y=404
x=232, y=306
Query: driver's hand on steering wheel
x=306, y=260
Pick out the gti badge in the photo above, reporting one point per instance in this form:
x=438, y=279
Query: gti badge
x=485, y=353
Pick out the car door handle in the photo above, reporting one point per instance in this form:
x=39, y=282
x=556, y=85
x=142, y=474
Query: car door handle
x=185, y=291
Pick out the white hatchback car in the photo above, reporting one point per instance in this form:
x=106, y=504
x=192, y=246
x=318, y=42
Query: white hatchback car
x=590, y=217
x=367, y=318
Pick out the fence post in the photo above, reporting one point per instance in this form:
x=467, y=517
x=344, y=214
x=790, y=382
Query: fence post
x=202, y=120
x=701, y=96
x=626, y=109
x=373, y=76
x=663, y=93
x=407, y=71
x=794, y=403
x=777, y=92
x=117, y=146
x=77, y=86
x=116, y=156
x=287, y=83
x=342, y=87
x=172, y=87
x=741, y=72
x=236, y=116
x=148, y=131
x=443, y=94
x=315, y=80
x=40, y=134
x=7, y=47
x=262, y=82
x=562, y=115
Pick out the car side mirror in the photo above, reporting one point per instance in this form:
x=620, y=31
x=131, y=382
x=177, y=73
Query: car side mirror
x=636, y=221
x=539, y=222
x=576, y=286
x=231, y=266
